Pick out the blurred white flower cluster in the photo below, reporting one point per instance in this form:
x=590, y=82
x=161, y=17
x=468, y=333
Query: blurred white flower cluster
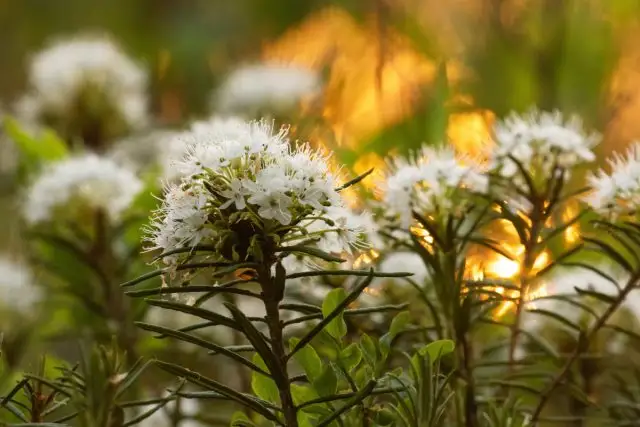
x=269, y=86
x=434, y=183
x=539, y=142
x=242, y=182
x=97, y=182
x=406, y=262
x=60, y=74
x=17, y=287
x=618, y=193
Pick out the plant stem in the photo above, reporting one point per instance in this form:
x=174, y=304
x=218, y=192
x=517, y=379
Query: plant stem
x=273, y=293
x=531, y=252
x=116, y=303
x=470, y=405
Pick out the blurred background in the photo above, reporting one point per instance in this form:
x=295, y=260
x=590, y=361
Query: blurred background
x=460, y=62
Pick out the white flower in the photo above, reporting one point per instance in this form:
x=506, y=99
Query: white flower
x=404, y=262
x=17, y=288
x=59, y=74
x=245, y=178
x=235, y=194
x=158, y=148
x=430, y=184
x=180, y=222
x=540, y=141
x=348, y=230
x=94, y=181
x=617, y=193
x=266, y=86
x=214, y=144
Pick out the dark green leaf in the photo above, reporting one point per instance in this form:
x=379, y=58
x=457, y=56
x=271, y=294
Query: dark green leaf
x=195, y=311
x=200, y=343
x=314, y=252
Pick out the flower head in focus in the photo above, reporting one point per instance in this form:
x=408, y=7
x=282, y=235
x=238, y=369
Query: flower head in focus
x=270, y=87
x=245, y=190
x=618, y=193
x=17, y=287
x=542, y=143
x=85, y=88
x=87, y=181
x=435, y=182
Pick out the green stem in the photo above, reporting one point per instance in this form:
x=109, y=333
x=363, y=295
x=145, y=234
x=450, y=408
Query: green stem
x=273, y=293
x=118, y=307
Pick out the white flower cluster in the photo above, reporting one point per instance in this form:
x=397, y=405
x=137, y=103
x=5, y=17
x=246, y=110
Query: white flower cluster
x=242, y=178
x=149, y=149
x=431, y=184
x=60, y=73
x=17, y=288
x=93, y=181
x=405, y=262
x=617, y=194
x=272, y=86
x=539, y=141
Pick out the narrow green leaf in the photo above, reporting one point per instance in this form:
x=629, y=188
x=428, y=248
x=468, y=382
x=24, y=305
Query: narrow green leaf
x=558, y=317
x=337, y=311
x=133, y=374
x=595, y=294
x=255, y=338
x=212, y=290
x=200, y=343
x=195, y=311
x=355, y=180
x=161, y=271
x=359, y=397
x=210, y=384
x=353, y=273
x=312, y=251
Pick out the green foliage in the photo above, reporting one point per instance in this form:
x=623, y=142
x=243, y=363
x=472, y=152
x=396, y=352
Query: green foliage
x=337, y=328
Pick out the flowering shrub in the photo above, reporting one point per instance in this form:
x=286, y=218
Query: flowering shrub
x=459, y=292
x=87, y=89
x=246, y=190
